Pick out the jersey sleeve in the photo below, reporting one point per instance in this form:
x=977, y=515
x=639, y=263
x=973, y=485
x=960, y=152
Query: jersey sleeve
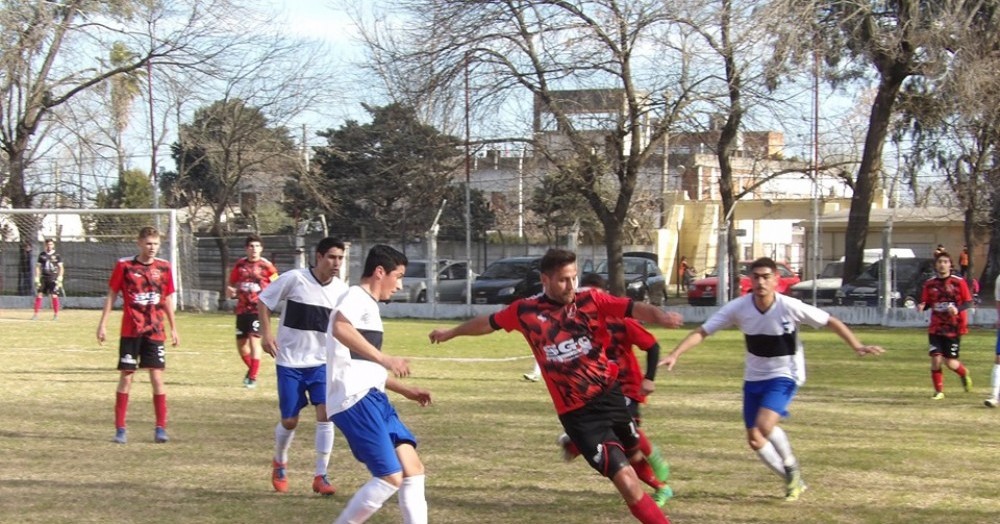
x=612, y=306
x=722, y=318
x=168, y=281
x=638, y=336
x=506, y=318
x=963, y=290
x=234, y=275
x=809, y=314
x=273, y=293
x=117, y=277
x=273, y=270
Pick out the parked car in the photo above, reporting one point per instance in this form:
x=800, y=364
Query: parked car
x=703, y=291
x=831, y=278
x=507, y=280
x=908, y=277
x=450, y=282
x=644, y=282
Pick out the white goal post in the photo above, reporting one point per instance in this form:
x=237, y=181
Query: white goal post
x=171, y=253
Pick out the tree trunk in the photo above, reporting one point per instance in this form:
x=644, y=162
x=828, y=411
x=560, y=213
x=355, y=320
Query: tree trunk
x=868, y=171
x=616, y=269
x=221, y=241
x=27, y=225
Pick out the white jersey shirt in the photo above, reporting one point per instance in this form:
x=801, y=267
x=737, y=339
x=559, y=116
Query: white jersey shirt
x=773, y=346
x=305, y=317
x=349, y=377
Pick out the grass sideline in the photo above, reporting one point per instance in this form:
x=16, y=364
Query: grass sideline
x=874, y=448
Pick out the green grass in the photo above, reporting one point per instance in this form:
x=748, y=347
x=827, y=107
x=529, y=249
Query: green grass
x=874, y=448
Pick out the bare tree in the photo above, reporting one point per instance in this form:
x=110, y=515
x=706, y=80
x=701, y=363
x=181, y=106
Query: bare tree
x=46, y=60
x=898, y=40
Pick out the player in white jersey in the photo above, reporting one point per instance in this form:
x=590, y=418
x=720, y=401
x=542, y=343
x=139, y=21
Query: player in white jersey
x=356, y=398
x=308, y=296
x=994, y=399
x=775, y=365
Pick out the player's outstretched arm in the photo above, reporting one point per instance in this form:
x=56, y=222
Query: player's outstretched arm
x=847, y=335
x=419, y=395
x=473, y=327
x=348, y=335
x=691, y=340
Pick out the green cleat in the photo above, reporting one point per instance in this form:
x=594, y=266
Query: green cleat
x=937, y=395
x=793, y=483
x=967, y=382
x=662, y=495
x=660, y=466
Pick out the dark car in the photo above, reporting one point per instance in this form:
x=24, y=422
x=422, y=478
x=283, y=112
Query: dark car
x=643, y=279
x=507, y=280
x=909, y=275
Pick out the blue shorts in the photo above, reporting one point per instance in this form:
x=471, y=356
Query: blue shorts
x=998, y=342
x=295, y=383
x=774, y=394
x=373, y=430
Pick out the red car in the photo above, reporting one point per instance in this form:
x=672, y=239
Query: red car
x=702, y=292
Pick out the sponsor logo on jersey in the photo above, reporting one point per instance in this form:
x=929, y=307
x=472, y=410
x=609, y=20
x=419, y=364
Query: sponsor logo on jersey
x=568, y=349
x=149, y=298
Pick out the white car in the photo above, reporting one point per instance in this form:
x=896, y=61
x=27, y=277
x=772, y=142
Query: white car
x=451, y=282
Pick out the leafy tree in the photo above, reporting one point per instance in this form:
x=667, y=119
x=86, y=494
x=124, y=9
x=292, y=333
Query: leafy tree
x=384, y=179
x=132, y=191
x=226, y=148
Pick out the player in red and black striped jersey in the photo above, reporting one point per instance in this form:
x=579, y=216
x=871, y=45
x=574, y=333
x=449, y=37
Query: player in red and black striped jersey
x=636, y=385
x=250, y=275
x=146, y=286
x=948, y=298
x=568, y=334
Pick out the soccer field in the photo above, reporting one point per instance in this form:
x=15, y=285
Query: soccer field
x=874, y=447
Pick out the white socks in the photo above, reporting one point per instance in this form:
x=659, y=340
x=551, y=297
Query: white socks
x=781, y=444
x=771, y=458
x=995, y=380
x=282, y=441
x=367, y=501
x=324, y=445
x=412, y=502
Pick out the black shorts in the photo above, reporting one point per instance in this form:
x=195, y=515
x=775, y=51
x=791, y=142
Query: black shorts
x=604, y=420
x=247, y=324
x=141, y=352
x=948, y=347
x=48, y=287
x=633, y=410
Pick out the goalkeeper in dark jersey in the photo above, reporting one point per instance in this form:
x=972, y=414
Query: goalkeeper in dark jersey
x=48, y=278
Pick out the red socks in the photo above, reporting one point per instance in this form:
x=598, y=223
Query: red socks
x=121, y=408
x=647, y=512
x=937, y=379
x=55, y=305
x=38, y=304
x=160, y=407
x=254, y=368
x=645, y=473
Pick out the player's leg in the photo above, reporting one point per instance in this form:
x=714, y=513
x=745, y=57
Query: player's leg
x=536, y=373
x=937, y=379
x=243, y=330
x=952, y=360
x=152, y=357
x=128, y=362
x=315, y=386
x=54, y=299
x=994, y=399
x=256, y=350
x=291, y=399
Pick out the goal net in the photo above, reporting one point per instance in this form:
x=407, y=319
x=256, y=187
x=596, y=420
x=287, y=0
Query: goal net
x=90, y=241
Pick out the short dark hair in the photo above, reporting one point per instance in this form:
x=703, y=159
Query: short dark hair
x=327, y=243
x=555, y=258
x=943, y=254
x=593, y=280
x=388, y=257
x=767, y=262
x=252, y=238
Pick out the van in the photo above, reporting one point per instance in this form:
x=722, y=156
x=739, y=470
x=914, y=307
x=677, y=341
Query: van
x=831, y=278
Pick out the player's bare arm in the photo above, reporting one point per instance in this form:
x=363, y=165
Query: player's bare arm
x=168, y=306
x=847, y=335
x=473, y=327
x=419, y=395
x=654, y=315
x=102, y=332
x=691, y=340
x=349, y=336
x=267, y=340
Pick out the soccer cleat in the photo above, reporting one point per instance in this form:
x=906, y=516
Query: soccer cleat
x=278, y=477
x=249, y=383
x=967, y=382
x=660, y=466
x=34, y=317
x=991, y=402
x=160, y=435
x=530, y=376
x=120, y=436
x=938, y=395
x=55, y=318
x=662, y=495
x=569, y=451
x=322, y=485
x=793, y=483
